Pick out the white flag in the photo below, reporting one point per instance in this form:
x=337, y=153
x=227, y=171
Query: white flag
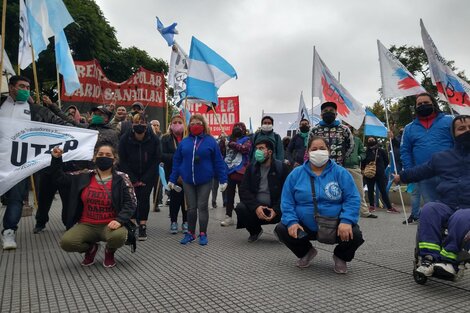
x=397, y=81
x=303, y=113
x=450, y=87
x=25, y=54
x=178, y=72
x=25, y=147
x=328, y=88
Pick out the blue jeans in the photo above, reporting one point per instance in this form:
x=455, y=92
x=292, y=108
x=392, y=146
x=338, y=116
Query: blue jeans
x=14, y=208
x=415, y=202
x=427, y=188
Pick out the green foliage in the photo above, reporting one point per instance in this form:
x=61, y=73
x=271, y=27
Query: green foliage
x=90, y=37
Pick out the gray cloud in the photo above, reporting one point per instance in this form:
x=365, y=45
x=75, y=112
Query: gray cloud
x=270, y=42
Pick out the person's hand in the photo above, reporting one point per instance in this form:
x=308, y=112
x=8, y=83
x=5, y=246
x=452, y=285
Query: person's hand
x=271, y=215
x=296, y=164
x=57, y=152
x=114, y=225
x=292, y=230
x=396, y=179
x=260, y=213
x=345, y=232
x=46, y=100
x=222, y=187
x=232, y=144
x=171, y=185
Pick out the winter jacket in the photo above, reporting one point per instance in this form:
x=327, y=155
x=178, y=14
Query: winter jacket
x=453, y=168
x=278, y=152
x=339, y=139
x=296, y=150
x=251, y=180
x=197, y=160
x=106, y=135
x=380, y=164
x=357, y=155
x=418, y=144
x=123, y=200
x=169, y=145
x=335, y=190
x=140, y=159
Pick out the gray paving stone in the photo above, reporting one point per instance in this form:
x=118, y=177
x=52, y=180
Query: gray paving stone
x=228, y=275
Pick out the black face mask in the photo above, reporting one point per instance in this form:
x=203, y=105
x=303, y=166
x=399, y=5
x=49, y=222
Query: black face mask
x=237, y=132
x=139, y=129
x=371, y=143
x=104, y=163
x=329, y=117
x=424, y=110
x=463, y=140
x=304, y=128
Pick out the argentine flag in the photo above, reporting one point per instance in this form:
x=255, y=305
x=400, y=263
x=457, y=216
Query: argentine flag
x=373, y=126
x=207, y=72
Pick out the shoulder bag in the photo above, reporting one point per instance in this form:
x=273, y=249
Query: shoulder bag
x=371, y=169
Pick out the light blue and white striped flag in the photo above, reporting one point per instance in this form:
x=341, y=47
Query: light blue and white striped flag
x=47, y=18
x=207, y=72
x=373, y=126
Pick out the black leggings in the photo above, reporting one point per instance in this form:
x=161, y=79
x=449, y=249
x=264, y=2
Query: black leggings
x=231, y=190
x=142, y=194
x=382, y=184
x=177, y=202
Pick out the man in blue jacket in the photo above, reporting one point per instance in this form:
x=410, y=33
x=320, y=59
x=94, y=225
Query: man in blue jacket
x=453, y=168
x=427, y=134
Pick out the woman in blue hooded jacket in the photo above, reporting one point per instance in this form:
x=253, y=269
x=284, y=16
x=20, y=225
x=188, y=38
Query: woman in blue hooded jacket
x=197, y=160
x=336, y=196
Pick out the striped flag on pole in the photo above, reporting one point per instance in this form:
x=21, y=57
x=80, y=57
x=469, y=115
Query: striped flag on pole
x=373, y=126
x=25, y=54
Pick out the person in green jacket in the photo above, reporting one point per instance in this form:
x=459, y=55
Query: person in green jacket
x=353, y=165
x=266, y=132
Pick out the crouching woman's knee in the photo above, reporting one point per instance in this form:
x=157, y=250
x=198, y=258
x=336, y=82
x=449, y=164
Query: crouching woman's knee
x=115, y=239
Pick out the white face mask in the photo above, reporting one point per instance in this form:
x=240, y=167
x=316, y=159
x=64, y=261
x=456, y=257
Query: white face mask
x=266, y=127
x=318, y=157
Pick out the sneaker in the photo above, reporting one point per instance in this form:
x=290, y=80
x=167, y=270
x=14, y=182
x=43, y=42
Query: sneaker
x=203, y=239
x=393, y=210
x=214, y=204
x=305, y=261
x=227, y=221
x=157, y=208
x=445, y=270
x=371, y=216
x=38, y=228
x=340, y=266
x=188, y=237
x=142, y=232
x=109, y=258
x=174, y=228
x=372, y=208
x=90, y=255
x=427, y=266
x=167, y=203
x=411, y=220
x=255, y=237
x=184, y=227
x=9, y=242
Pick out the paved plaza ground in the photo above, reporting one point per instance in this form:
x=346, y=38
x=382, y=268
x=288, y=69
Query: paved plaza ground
x=228, y=275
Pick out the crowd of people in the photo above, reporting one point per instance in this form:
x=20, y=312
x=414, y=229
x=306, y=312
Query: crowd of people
x=311, y=185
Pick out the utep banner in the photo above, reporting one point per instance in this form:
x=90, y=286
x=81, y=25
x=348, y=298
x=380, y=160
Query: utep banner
x=228, y=111
x=25, y=147
x=144, y=86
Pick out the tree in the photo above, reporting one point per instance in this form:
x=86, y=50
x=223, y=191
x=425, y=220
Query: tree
x=90, y=37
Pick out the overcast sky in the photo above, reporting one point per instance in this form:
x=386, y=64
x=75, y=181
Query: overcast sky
x=270, y=42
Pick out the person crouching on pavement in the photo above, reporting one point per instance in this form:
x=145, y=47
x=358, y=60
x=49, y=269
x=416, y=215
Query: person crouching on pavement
x=260, y=191
x=335, y=196
x=439, y=256
x=101, y=203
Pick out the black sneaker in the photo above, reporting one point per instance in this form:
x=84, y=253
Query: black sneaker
x=38, y=228
x=214, y=205
x=411, y=220
x=142, y=232
x=255, y=237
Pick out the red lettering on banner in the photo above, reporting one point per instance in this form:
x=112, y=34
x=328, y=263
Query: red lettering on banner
x=144, y=86
x=228, y=113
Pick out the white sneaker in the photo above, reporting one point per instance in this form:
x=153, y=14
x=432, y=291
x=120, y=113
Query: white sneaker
x=9, y=242
x=227, y=221
x=445, y=270
x=427, y=266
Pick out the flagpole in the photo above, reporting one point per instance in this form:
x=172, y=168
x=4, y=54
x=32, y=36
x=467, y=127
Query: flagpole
x=218, y=121
x=313, y=75
x=186, y=123
x=35, y=75
x=4, y=14
x=393, y=159
x=58, y=87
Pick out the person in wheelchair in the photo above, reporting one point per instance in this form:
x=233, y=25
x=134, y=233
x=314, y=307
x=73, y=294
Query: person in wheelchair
x=438, y=254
